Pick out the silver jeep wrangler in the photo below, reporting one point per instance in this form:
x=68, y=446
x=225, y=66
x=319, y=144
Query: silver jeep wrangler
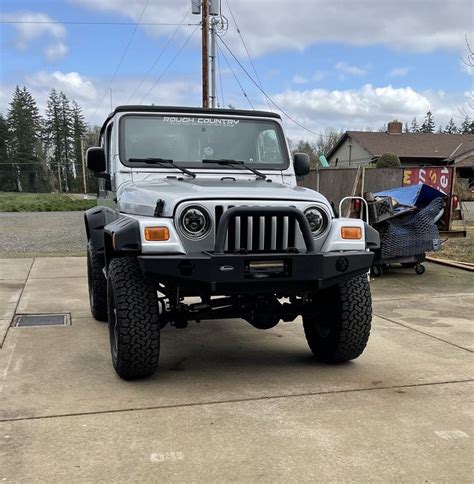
x=204, y=203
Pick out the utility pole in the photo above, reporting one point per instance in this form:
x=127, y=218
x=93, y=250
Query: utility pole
x=213, y=96
x=208, y=8
x=83, y=168
x=205, y=53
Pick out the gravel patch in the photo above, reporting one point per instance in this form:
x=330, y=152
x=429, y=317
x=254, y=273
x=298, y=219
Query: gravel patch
x=31, y=234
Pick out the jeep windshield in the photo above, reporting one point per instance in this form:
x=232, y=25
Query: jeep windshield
x=188, y=140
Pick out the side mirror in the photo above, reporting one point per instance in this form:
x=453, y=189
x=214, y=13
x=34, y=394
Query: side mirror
x=301, y=164
x=96, y=160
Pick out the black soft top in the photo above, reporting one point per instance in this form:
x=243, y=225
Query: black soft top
x=188, y=110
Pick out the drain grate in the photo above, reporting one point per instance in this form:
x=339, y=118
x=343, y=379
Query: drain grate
x=28, y=320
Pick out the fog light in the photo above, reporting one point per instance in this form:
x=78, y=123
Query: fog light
x=351, y=233
x=157, y=234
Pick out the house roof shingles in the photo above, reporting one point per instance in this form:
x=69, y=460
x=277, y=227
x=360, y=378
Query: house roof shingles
x=411, y=145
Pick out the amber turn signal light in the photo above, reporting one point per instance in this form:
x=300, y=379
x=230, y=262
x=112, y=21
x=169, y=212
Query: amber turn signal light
x=352, y=233
x=157, y=234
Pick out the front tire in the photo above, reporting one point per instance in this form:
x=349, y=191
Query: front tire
x=97, y=284
x=134, y=320
x=338, y=320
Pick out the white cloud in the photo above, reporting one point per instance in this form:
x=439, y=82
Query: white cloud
x=405, y=25
x=298, y=79
x=359, y=108
x=72, y=84
x=93, y=96
x=345, y=68
x=399, y=72
x=34, y=30
x=56, y=51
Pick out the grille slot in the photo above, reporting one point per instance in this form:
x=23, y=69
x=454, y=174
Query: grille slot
x=254, y=233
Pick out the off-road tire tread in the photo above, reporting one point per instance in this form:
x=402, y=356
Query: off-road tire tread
x=347, y=309
x=137, y=314
x=98, y=284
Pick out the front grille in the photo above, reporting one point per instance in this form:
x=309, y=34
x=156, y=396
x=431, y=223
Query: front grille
x=258, y=233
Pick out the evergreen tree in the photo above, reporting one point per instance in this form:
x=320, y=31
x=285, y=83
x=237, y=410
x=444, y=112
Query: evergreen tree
x=53, y=136
x=59, y=134
x=428, y=125
x=67, y=139
x=25, y=148
x=8, y=175
x=79, y=129
x=467, y=126
x=451, y=127
x=415, y=127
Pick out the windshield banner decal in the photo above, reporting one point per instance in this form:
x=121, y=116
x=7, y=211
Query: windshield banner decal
x=228, y=123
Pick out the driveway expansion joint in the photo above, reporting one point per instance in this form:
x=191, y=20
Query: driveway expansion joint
x=2, y=341
x=412, y=298
x=236, y=400
x=422, y=332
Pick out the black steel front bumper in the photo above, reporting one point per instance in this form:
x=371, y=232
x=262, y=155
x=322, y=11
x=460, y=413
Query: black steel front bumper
x=250, y=273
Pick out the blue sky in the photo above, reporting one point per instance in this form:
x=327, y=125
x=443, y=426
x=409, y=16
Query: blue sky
x=333, y=64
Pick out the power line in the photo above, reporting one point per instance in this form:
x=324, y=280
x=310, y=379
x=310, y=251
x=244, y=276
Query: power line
x=71, y=22
x=122, y=58
x=220, y=76
x=246, y=48
x=236, y=78
x=291, y=118
x=160, y=55
x=170, y=64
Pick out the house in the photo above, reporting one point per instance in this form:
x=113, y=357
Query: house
x=356, y=148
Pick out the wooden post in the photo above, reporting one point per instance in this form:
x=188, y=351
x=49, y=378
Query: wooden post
x=83, y=168
x=205, y=53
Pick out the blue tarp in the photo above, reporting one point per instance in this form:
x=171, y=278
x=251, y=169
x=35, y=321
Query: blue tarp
x=412, y=195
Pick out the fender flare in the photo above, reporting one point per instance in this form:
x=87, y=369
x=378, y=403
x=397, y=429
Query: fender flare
x=95, y=220
x=121, y=237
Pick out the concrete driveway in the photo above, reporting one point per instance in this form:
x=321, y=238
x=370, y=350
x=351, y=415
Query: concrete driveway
x=231, y=403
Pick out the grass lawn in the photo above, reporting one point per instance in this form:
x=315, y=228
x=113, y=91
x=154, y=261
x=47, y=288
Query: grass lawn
x=43, y=202
x=461, y=250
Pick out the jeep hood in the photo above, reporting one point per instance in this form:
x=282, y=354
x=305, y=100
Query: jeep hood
x=140, y=198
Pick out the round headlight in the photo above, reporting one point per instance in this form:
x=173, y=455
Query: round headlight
x=317, y=220
x=195, y=222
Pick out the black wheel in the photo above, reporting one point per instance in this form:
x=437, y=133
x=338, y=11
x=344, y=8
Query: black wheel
x=337, y=323
x=134, y=320
x=420, y=269
x=376, y=271
x=97, y=284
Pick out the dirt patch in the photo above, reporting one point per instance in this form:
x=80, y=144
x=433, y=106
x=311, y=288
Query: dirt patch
x=461, y=249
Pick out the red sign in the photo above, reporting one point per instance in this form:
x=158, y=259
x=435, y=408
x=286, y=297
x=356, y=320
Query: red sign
x=439, y=177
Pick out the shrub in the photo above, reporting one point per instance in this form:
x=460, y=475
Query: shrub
x=388, y=160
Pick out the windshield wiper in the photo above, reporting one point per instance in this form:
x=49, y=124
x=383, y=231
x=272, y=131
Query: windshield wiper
x=162, y=162
x=233, y=163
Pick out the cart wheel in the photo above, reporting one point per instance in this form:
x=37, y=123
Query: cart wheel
x=377, y=271
x=420, y=269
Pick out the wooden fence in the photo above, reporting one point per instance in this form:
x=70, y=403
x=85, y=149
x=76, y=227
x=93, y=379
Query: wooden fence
x=337, y=183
